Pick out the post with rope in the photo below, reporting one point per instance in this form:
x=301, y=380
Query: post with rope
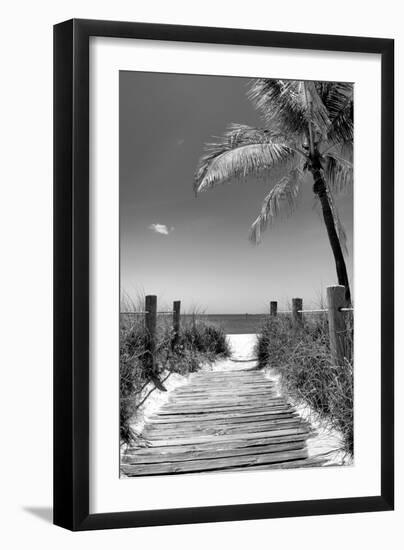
x=176, y=322
x=297, y=315
x=150, y=326
x=336, y=322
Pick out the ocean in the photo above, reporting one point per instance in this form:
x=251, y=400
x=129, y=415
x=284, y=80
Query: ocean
x=239, y=323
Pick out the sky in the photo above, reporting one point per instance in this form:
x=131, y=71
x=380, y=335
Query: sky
x=196, y=249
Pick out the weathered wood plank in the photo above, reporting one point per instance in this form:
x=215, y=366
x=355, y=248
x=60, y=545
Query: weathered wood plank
x=237, y=396
x=174, y=407
x=170, y=410
x=207, y=404
x=218, y=445
x=250, y=409
x=254, y=425
x=212, y=464
x=234, y=394
x=195, y=439
x=155, y=435
x=225, y=417
x=251, y=378
x=227, y=387
x=243, y=401
x=303, y=463
x=208, y=419
x=156, y=456
x=225, y=394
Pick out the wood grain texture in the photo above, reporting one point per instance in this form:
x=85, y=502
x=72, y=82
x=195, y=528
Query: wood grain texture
x=336, y=322
x=221, y=421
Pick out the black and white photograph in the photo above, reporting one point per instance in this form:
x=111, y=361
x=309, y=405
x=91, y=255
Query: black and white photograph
x=236, y=274
x=199, y=258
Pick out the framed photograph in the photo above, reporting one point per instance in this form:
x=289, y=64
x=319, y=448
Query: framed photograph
x=223, y=281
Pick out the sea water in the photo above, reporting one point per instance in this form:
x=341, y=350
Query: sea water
x=233, y=323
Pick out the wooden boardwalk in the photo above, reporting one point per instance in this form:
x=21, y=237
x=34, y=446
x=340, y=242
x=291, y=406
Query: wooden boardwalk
x=221, y=421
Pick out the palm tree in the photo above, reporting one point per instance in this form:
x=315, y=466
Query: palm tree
x=308, y=128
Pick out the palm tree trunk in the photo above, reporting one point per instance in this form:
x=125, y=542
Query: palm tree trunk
x=320, y=190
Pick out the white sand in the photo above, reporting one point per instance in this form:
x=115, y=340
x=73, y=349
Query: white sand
x=242, y=354
x=155, y=400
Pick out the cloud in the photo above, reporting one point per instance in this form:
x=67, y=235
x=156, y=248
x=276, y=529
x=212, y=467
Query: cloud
x=160, y=228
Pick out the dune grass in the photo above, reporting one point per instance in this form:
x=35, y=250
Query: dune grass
x=302, y=357
x=198, y=343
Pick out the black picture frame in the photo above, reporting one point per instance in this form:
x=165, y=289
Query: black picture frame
x=71, y=274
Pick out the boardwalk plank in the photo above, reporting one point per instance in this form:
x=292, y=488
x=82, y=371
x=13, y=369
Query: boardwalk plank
x=223, y=418
x=212, y=464
x=222, y=411
x=223, y=405
x=181, y=455
x=217, y=444
x=310, y=462
x=193, y=439
x=153, y=429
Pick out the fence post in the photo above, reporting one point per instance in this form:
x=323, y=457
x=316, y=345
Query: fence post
x=336, y=322
x=150, y=325
x=297, y=315
x=273, y=309
x=176, y=322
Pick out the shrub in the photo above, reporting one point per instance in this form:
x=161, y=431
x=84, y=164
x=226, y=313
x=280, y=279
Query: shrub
x=302, y=356
x=205, y=338
x=131, y=372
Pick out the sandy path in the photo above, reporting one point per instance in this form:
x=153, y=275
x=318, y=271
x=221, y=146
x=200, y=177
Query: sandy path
x=242, y=354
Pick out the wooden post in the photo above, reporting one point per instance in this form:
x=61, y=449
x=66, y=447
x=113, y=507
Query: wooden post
x=150, y=326
x=273, y=309
x=297, y=315
x=336, y=322
x=176, y=322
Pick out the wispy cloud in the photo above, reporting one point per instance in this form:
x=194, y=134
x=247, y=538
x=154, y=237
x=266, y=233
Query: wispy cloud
x=160, y=228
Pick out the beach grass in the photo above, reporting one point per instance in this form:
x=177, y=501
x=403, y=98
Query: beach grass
x=303, y=359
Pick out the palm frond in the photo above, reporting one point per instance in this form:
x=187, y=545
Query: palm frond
x=284, y=105
x=342, y=149
x=281, y=198
x=338, y=100
x=241, y=152
x=338, y=172
x=319, y=116
x=335, y=96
